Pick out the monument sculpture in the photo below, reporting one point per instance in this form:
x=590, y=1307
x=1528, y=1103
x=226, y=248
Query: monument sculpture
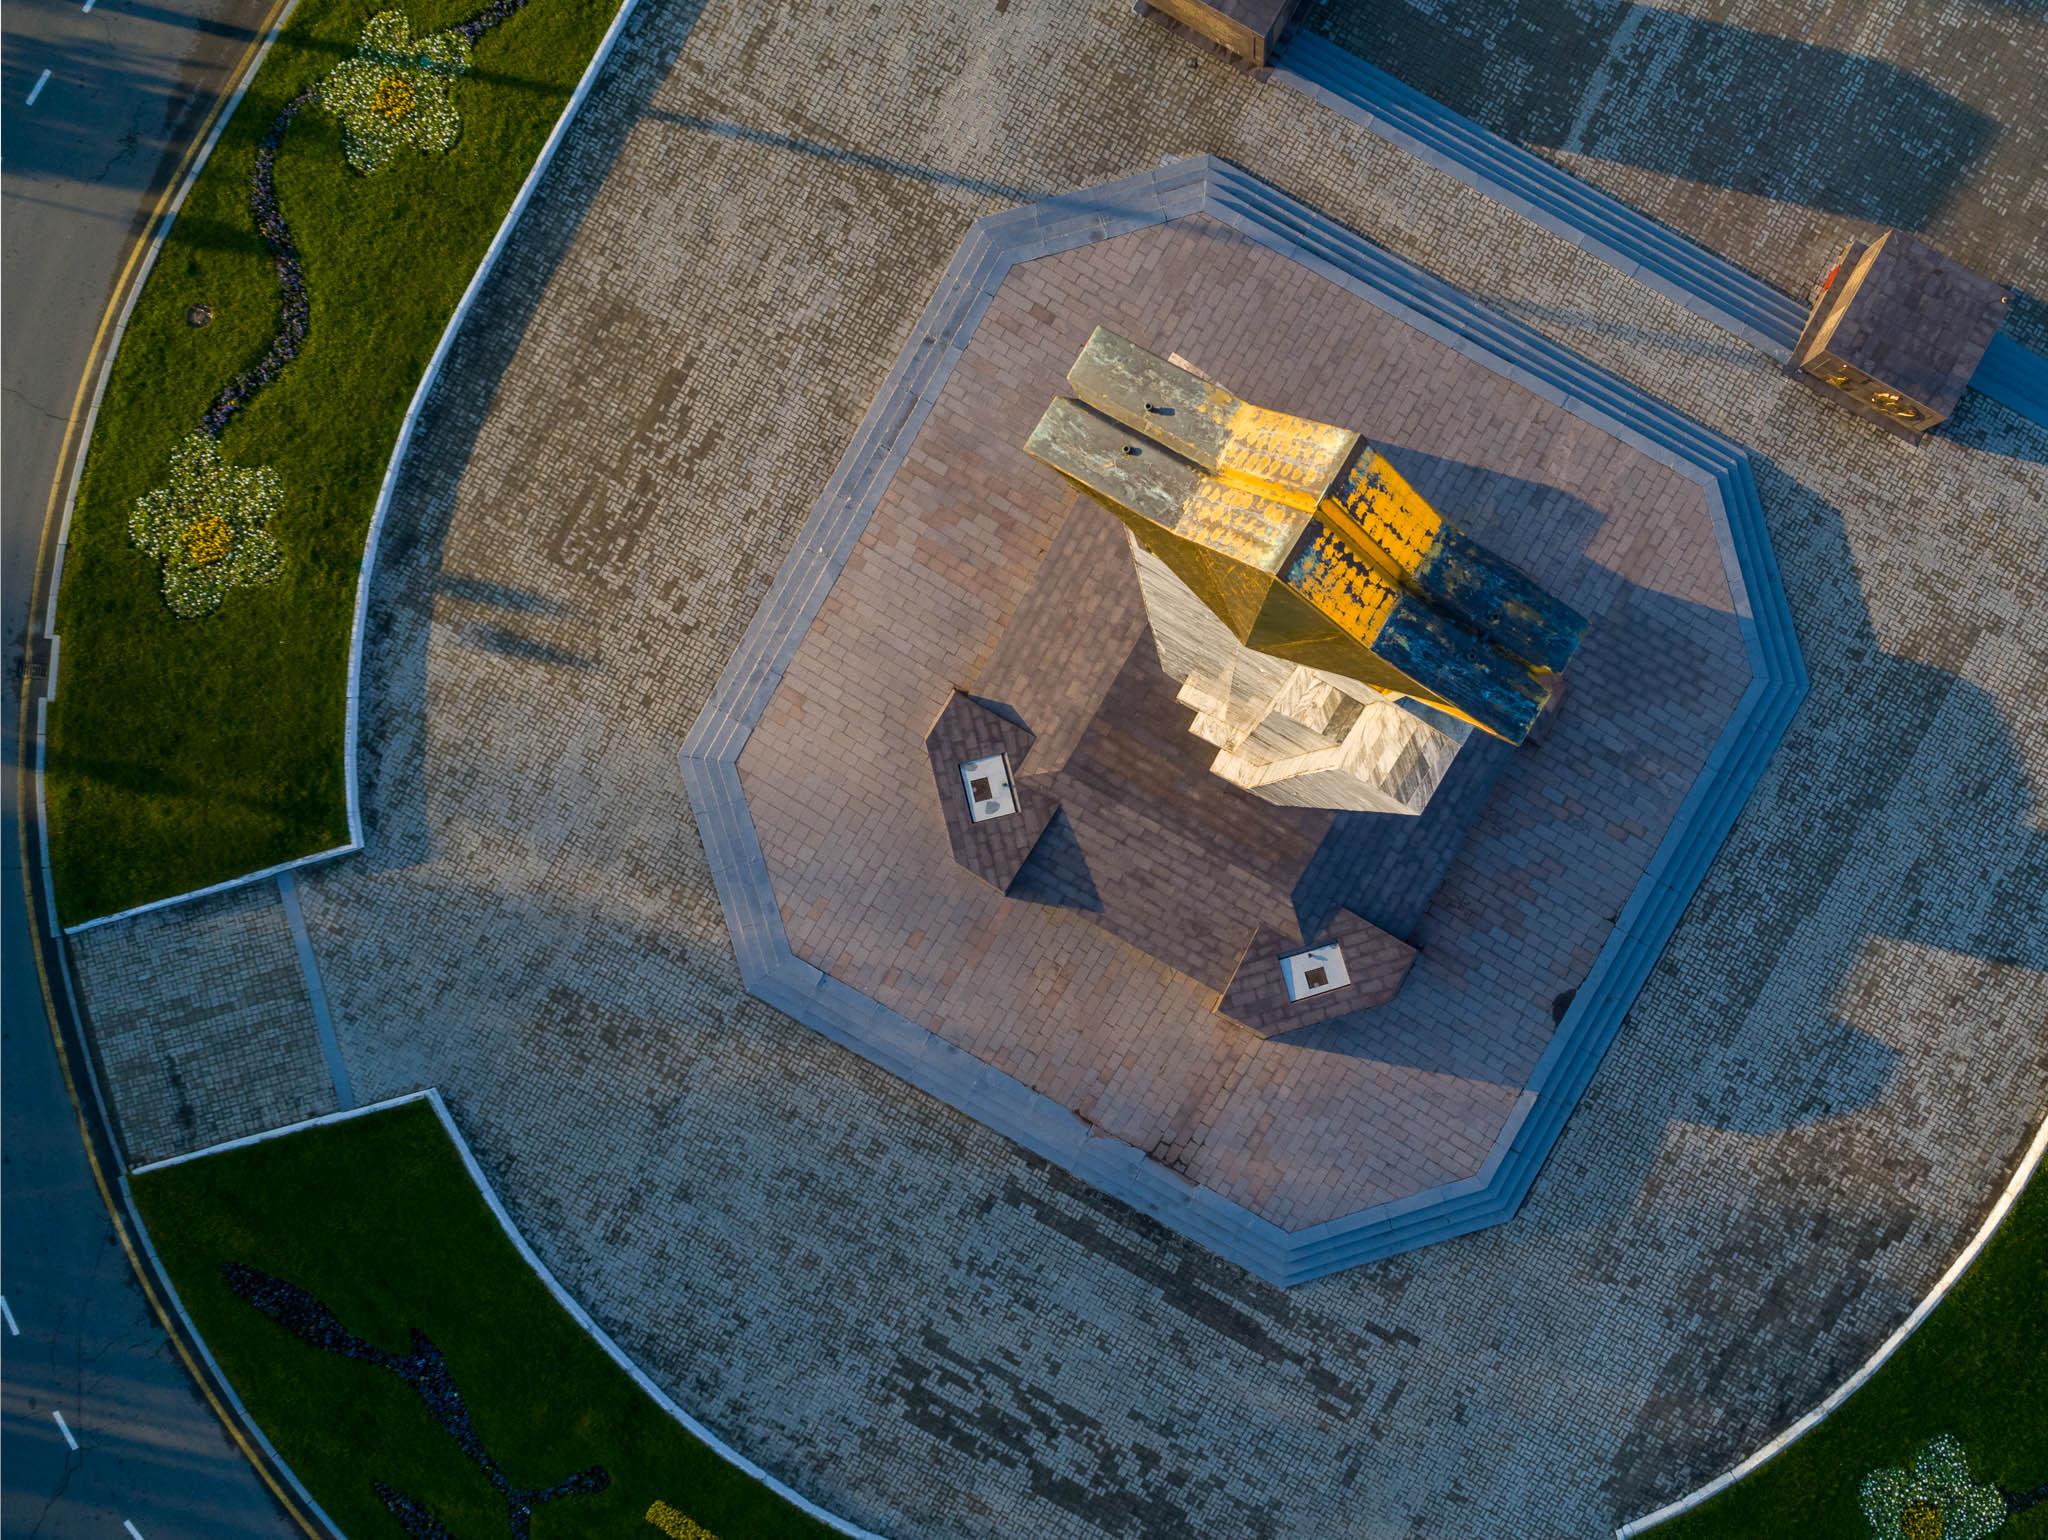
x=1268, y=588
x=1337, y=638
x=1260, y=868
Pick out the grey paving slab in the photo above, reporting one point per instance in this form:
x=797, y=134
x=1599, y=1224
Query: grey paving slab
x=1824, y=1079
x=203, y=1026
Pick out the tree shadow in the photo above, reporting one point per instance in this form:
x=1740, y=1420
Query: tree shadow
x=408, y=575
x=889, y=165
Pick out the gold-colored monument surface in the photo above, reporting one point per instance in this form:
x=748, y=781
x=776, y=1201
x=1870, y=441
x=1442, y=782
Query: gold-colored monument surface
x=1304, y=542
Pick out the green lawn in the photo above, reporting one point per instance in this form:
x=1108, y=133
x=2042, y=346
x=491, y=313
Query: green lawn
x=187, y=752
x=1977, y=1368
x=378, y=1219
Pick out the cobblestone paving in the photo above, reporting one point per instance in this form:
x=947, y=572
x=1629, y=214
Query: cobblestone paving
x=1334, y=1119
x=1826, y=1078
x=1769, y=130
x=201, y=1023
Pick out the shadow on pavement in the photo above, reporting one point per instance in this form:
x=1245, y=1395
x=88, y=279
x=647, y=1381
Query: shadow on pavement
x=1699, y=100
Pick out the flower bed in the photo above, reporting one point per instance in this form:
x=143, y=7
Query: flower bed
x=209, y=585
x=408, y=1365
x=1946, y=1440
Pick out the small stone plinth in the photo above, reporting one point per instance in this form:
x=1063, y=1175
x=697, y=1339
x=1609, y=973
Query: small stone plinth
x=1246, y=28
x=996, y=849
x=1897, y=332
x=1257, y=996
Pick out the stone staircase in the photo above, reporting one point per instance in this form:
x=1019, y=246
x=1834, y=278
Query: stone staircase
x=1659, y=257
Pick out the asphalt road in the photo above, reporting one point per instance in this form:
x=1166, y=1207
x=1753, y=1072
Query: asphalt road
x=129, y=82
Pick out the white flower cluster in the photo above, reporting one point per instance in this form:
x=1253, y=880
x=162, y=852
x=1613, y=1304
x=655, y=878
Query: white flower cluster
x=1935, y=1500
x=207, y=527
x=394, y=94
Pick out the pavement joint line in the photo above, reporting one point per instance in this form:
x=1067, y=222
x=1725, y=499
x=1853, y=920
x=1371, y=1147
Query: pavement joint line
x=316, y=992
x=64, y=1428
x=36, y=90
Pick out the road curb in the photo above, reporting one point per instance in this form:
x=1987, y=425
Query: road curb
x=75, y=1059
x=575, y=1311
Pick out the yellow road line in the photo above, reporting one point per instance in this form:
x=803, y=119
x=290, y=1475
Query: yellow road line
x=140, y=247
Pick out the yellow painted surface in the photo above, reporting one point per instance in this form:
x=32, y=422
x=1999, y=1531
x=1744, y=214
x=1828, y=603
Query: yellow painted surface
x=1222, y=492
x=1288, y=458
x=1386, y=518
x=1239, y=523
x=1345, y=588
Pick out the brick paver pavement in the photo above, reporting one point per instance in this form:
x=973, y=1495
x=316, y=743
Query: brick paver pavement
x=202, y=1024
x=1770, y=131
x=1333, y=1119
x=1824, y=1081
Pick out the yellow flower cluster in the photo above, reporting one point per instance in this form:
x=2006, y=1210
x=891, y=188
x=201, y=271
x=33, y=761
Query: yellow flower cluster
x=394, y=94
x=207, y=539
x=1921, y=1521
x=394, y=99
x=676, y=1524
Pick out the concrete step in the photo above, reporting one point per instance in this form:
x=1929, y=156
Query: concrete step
x=1658, y=255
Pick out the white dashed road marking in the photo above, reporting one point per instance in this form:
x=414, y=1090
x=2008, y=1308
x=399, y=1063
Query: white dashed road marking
x=36, y=90
x=128, y=1524
x=8, y=1316
x=63, y=1428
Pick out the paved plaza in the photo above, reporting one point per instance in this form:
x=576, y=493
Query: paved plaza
x=937, y=595
x=1767, y=130
x=1810, y=1107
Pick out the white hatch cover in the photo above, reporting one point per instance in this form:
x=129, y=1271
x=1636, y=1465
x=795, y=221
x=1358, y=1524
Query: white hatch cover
x=1314, y=972
x=988, y=788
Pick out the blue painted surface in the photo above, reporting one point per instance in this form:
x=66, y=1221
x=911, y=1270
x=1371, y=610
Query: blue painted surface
x=710, y=756
x=2016, y=377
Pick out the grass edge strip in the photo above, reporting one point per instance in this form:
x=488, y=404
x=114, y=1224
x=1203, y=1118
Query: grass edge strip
x=365, y=570
x=2022, y=1174
x=568, y=1303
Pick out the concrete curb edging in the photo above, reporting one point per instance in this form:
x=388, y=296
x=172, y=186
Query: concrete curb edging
x=251, y=1429
x=2029, y=1163
x=709, y=759
x=1572, y=209
x=562, y=1297
x=428, y=378
x=351, y=778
